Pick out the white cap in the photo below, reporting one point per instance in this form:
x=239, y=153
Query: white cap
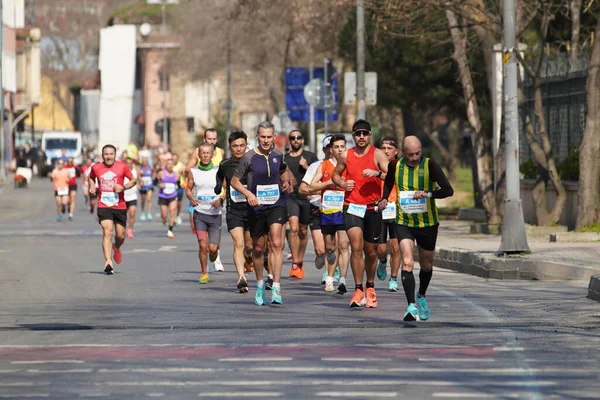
x=327, y=141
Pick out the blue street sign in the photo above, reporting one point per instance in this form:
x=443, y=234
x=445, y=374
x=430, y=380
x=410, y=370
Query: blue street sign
x=297, y=108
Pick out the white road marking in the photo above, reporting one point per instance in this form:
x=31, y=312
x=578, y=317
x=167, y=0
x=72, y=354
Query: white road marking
x=241, y=394
x=195, y=383
x=155, y=394
x=431, y=359
x=458, y=395
x=508, y=348
x=13, y=384
x=368, y=395
x=60, y=371
x=94, y=395
x=23, y=396
x=9, y=371
x=48, y=362
x=164, y=370
x=355, y=359
x=4, y=251
x=234, y=359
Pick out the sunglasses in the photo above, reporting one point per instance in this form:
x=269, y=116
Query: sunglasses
x=362, y=133
x=295, y=137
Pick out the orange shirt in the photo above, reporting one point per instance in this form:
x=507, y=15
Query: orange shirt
x=60, y=177
x=366, y=191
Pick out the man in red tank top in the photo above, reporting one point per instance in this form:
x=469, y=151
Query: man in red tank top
x=365, y=167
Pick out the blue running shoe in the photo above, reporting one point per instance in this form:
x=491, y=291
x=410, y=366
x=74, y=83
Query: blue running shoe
x=142, y=217
x=381, y=270
x=261, y=297
x=412, y=313
x=336, y=274
x=58, y=218
x=276, y=296
x=392, y=285
x=422, y=305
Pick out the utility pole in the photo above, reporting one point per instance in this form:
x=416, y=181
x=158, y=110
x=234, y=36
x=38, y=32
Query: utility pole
x=163, y=8
x=228, y=101
x=2, y=141
x=361, y=106
x=325, y=97
x=312, y=134
x=514, y=238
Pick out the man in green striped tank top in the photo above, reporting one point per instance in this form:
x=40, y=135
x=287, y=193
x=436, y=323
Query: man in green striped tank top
x=419, y=181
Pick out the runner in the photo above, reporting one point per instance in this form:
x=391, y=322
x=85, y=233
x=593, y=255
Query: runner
x=298, y=205
x=72, y=168
x=390, y=147
x=364, y=166
x=263, y=168
x=84, y=182
x=237, y=210
x=93, y=196
x=147, y=188
x=168, y=181
x=60, y=178
x=131, y=195
x=332, y=216
x=179, y=167
x=417, y=219
x=200, y=192
x=112, y=213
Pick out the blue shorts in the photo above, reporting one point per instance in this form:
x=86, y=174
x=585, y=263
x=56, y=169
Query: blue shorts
x=179, y=194
x=191, y=209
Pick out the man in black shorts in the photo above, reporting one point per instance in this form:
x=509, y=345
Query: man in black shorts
x=112, y=211
x=298, y=205
x=415, y=178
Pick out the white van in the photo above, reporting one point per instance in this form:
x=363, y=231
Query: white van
x=54, y=142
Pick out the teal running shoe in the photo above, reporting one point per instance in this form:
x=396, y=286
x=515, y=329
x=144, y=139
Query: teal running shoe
x=260, y=298
x=276, y=297
x=422, y=305
x=336, y=275
x=411, y=313
x=323, y=277
x=142, y=217
x=149, y=216
x=58, y=218
x=381, y=270
x=392, y=285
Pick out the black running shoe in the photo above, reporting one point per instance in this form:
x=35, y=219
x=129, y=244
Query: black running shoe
x=108, y=270
x=242, y=285
x=342, y=289
x=269, y=284
x=64, y=209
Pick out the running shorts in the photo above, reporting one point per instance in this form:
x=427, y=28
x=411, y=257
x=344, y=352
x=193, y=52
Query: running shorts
x=179, y=194
x=237, y=221
x=387, y=226
x=298, y=208
x=131, y=203
x=315, y=218
x=119, y=217
x=370, y=224
x=165, y=202
x=208, y=223
x=72, y=188
x=260, y=224
x=332, y=229
x=425, y=237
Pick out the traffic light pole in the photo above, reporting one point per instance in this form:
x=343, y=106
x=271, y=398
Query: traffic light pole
x=325, y=102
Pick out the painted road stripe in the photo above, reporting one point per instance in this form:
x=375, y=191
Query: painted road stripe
x=60, y=371
x=86, y=395
x=155, y=394
x=167, y=370
x=353, y=359
x=429, y=359
x=235, y=359
x=457, y=395
x=508, y=348
x=367, y=395
x=9, y=371
x=48, y=362
x=241, y=394
x=23, y=396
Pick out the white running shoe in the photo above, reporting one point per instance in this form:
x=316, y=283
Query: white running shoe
x=329, y=286
x=218, y=265
x=178, y=220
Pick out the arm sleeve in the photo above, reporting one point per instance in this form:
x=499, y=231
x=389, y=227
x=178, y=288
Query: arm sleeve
x=437, y=175
x=388, y=184
x=242, y=169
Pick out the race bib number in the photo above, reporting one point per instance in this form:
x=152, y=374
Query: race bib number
x=63, y=191
x=389, y=212
x=170, y=188
x=236, y=196
x=333, y=201
x=410, y=206
x=109, y=199
x=206, y=199
x=357, y=209
x=267, y=194
x=147, y=180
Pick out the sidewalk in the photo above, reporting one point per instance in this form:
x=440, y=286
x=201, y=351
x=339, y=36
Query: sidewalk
x=476, y=254
x=24, y=203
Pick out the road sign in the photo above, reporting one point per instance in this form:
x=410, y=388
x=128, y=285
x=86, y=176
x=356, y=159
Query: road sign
x=313, y=94
x=370, y=88
x=298, y=108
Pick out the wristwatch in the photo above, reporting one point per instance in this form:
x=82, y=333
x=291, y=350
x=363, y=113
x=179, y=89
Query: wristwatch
x=380, y=173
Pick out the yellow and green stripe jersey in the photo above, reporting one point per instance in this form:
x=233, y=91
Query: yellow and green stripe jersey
x=417, y=178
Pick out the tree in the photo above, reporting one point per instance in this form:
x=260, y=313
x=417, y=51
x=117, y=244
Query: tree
x=588, y=205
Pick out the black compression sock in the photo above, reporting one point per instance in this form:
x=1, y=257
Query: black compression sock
x=408, y=283
x=360, y=287
x=171, y=227
x=371, y=285
x=394, y=278
x=424, y=279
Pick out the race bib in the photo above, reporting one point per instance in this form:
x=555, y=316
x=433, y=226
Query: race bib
x=206, y=199
x=389, y=212
x=236, y=196
x=72, y=173
x=333, y=201
x=63, y=191
x=170, y=188
x=147, y=180
x=267, y=194
x=410, y=206
x=357, y=209
x=109, y=199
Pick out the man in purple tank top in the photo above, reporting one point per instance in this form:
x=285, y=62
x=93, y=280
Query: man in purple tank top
x=168, y=182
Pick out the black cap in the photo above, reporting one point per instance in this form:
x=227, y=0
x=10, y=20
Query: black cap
x=361, y=125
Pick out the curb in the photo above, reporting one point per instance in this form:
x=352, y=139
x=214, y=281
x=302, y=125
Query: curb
x=594, y=288
x=489, y=265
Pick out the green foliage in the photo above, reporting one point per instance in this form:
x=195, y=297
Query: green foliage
x=591, y=228
x=528, y=169
x=568, y=168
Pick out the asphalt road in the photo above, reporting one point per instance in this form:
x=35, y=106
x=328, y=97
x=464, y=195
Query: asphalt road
x=69, y=331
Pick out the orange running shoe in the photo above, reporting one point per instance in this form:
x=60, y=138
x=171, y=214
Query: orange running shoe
x=358, y=299
x=300, y=273
x=117, y=255
x=129, y=233
x=371, y=298
x=248, y=265
x=294, y=271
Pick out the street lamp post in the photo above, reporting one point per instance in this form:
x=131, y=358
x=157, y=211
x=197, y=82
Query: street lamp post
x=2, y=141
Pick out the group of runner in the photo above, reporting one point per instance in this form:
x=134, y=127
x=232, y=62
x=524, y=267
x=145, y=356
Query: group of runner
x=352, y=200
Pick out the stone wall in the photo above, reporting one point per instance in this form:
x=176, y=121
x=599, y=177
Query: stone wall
x=569, y=214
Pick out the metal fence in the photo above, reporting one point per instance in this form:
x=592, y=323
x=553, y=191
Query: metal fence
x=564, y=102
